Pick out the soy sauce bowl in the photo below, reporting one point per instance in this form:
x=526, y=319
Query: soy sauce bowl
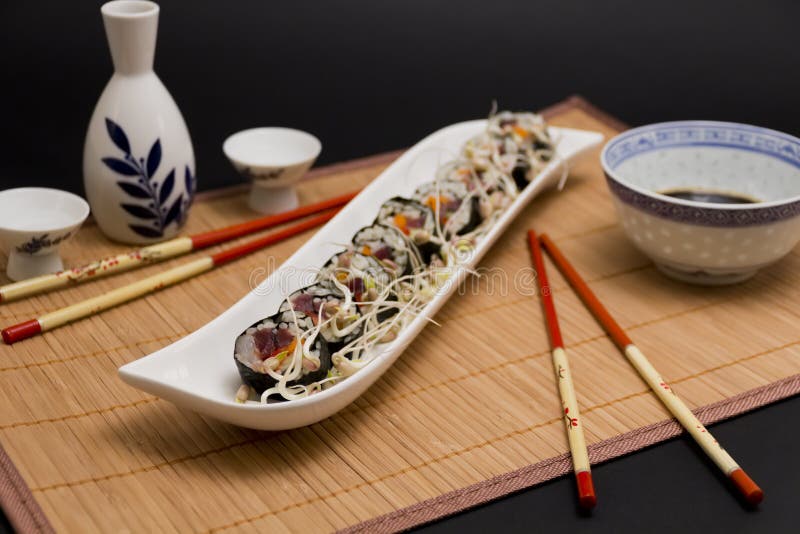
x=34, y=223
x=707, y=243
x=274, y=159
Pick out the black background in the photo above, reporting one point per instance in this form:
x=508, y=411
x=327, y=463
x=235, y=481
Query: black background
x=369, y=76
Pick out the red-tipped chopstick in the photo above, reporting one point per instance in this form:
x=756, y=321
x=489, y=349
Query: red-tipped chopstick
x=151, y=284
x=749, y=489
x=572, y=419
x=160, y=251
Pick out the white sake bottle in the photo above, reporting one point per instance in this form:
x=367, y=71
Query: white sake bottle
x=138, y=162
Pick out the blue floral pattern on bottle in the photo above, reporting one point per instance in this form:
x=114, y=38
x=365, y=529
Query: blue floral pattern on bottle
x=149, y=197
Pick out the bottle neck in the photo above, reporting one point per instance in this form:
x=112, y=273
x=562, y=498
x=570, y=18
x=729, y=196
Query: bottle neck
x=131, y=27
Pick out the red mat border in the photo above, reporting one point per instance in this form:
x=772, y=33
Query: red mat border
x=21, y=509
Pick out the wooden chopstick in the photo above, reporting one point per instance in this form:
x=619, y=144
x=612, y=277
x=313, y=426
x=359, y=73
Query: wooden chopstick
x=151, y=284
x=572, y=419
x=749, y=489
x=159, y=252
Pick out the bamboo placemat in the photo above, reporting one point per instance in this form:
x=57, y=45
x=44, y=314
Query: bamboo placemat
x=469, y=413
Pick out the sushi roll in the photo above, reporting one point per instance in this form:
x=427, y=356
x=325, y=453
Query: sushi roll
x=357, y=272
x=364, y=276
x=325, y=306
x=517, y=144
x=493, y=190
x=523, y=143
x=480, y=152
x=462, y=171
x=487, y=152
x=414, y=220
x=525, y=131
x=387, y=245
x=273, y=349
x=457, y=209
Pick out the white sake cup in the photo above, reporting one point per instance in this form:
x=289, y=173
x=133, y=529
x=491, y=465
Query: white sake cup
x=274, y=159
x=34, y=222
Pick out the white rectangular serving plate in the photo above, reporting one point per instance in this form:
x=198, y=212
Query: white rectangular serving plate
x=197, y=372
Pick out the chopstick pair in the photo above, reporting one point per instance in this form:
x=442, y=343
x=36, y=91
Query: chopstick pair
x=154, y=283
x=160, y=251
x=741, y=481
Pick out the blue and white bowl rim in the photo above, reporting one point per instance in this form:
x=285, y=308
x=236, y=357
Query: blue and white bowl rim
x=792, y=142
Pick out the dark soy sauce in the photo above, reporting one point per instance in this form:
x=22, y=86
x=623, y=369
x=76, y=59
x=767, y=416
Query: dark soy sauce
x=704, y=195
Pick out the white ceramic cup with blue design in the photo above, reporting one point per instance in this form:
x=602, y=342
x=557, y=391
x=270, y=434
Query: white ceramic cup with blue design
x=34, y=223
x=275, y=159
x=707, y=242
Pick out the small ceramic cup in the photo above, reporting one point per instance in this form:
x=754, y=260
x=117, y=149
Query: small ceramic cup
x=34, y=222
x=707, y=242
x=274, y=159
